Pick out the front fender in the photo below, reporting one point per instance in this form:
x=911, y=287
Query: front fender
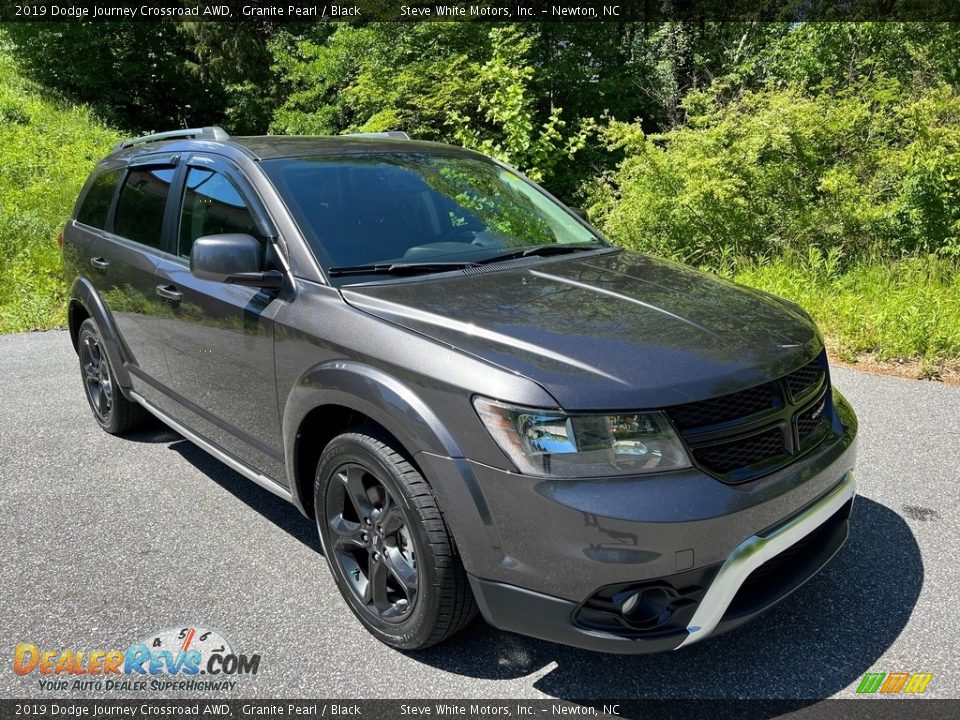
x=83, y=293
x=368, y=390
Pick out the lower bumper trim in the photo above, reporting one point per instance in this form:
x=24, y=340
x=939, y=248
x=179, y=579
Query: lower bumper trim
x=545, y=617
x=758, y=549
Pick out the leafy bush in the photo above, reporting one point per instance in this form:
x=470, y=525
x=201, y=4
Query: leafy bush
x=869, y=170
x=146, y=76
x=48, y=149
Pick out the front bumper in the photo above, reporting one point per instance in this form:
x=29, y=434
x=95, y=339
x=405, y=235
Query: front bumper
x=555, y=558
x=730, y=600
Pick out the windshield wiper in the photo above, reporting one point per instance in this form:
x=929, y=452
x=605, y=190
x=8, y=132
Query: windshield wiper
x=411, y=268
x=542, y=250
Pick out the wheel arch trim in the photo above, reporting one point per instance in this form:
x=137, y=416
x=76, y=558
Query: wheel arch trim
x=371, y=392
x=83, y=293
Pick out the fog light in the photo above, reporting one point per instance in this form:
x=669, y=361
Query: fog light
x=648, y=607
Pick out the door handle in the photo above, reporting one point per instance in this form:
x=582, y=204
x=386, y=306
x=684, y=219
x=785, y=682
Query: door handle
x=99, y=263
x=169, y=292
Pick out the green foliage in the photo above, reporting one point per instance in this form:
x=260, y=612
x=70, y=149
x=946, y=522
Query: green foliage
x=820, y=161
x=828, y=56
x=871, y=169
x=229, y=78
x=155, y=76
x=48, y=150
x=378, y=77
x=466, y=83
x=889, y=310
x=133, y=73
x=509, y=128
x=821, y=166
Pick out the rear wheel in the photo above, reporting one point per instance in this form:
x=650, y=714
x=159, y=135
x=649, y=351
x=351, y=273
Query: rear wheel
x=112, y=410
x=386, y=543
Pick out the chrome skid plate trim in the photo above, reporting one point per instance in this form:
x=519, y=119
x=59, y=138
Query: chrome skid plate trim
x=758, y=549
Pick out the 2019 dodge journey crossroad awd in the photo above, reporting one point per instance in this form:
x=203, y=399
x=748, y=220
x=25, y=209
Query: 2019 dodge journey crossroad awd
x=482, y=403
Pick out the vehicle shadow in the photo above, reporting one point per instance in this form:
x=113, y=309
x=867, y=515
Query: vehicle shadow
x=815, y=643
x=153, y=432
x=281, y=513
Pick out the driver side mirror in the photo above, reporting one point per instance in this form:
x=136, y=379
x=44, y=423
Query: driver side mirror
x=232, y=258
x=579, y=212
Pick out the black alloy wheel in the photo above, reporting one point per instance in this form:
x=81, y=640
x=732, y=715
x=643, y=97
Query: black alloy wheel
x=372, y=544
x=113, y=411
x=386, y=542
x=96, y=376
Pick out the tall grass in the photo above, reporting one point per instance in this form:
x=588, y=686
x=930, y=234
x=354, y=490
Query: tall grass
x=891, y=310
x=47, y=149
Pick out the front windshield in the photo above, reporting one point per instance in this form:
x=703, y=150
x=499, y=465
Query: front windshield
x=375, y=209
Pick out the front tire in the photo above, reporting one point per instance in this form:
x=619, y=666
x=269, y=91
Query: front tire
x=111, y=409
x=386, y=543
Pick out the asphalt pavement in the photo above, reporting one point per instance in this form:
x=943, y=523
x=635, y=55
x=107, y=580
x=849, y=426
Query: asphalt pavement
x=107, y=541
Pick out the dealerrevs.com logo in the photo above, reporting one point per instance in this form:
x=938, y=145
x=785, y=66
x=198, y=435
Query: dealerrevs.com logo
x=184, y=659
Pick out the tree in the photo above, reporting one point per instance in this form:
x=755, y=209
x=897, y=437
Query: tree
x=155, y=76
x=133, y=74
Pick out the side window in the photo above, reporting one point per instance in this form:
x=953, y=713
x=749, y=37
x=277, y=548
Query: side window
x=212, y=205
x=96, y=204
x=139, y=215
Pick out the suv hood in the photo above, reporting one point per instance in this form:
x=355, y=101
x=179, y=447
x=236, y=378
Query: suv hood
x=606, y=331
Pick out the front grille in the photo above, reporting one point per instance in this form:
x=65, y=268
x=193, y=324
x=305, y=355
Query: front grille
x=812, y=422
x=724, y=408
x=805, y=379
x=752, y=432
x=741, y=453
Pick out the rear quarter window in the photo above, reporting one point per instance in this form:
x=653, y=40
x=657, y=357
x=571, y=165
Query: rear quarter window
x=96, y=204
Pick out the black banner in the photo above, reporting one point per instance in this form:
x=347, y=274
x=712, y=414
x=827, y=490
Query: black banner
x=872, y=708
x=477, y=10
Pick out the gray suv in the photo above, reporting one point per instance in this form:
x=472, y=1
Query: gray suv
x=480, y=401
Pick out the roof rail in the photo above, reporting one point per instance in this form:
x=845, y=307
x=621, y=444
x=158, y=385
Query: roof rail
x=214, y=133
x=395, y=134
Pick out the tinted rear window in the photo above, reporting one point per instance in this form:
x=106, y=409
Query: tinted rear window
x=139, y=215
x=97, y=203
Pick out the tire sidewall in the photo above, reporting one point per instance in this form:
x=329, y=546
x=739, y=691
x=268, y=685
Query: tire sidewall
x=413, y=631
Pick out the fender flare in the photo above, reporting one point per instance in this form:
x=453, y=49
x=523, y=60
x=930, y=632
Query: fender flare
x=370, y=391
x=83, y=293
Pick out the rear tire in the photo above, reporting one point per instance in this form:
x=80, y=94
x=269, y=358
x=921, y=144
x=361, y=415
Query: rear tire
x=387, y=544
x=111, y=409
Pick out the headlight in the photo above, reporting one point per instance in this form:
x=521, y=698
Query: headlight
x=550, y=442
